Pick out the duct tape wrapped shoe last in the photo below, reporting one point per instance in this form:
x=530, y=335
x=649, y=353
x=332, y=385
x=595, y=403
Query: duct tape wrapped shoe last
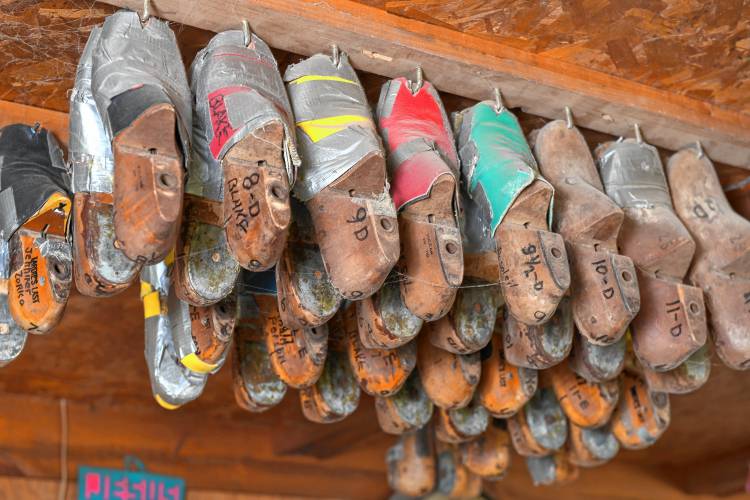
x=35, y=205
x=101, y=270
x=141, y=90
x=423, y=167
x=244, y=145
x=343, y=182
x=671, y=324
x=502, y=178
x=172, y=383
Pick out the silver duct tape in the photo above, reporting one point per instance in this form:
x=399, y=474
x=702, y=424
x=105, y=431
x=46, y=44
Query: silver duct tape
x=180, y=325
x=171, y=382
x=476, y=230
x=131, y=54
x=420, y=128
x=633, y=175
x=237, y=89
x=90, y=148
x=32, y=169
x=338, y=93
x=409, y=149
x=12, y=337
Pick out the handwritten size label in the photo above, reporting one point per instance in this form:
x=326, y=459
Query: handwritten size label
x=601, y=268
x=674, y=309
x=239, y=191
x=533, y=260
x=361, y=233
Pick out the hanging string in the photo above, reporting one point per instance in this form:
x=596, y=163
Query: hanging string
x=62, y=491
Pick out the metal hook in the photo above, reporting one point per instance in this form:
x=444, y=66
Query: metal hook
x=415, y=86
x=499, y=106
x=568, y=117
x=699, y=147
x=335, y=54
x=146, y=15
x=246, y=33
x=638, y=135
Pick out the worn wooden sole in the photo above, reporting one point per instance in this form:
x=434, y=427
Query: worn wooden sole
x=305, y=294
x=41, y=268
x=591, y=447
x=205, y=271
x=551, y=469
x=504, y=388
x=461, y=424
x=356, y=228
x=469, y=325
x=539, y=346
x=148, y=187
x=605, y=292
x=448, y=379
x=407, y=410
x=454, y=479
x=586, y=404
x=336, y=393
x=256, y=386
x=384, y=321
x=597, y=363
x=431, y=251
x=256, y=197
x=380, y=372
x=297, y=356
x=488, y=456
x=688, y=377
x=211, y=330
x=725, y=295
x=641, y=416
x=671, y=324
x=540, y=427
x=411, y=463
x=533, y=262
x=100, y=269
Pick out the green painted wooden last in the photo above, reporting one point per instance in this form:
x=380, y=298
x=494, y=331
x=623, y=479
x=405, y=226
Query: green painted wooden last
x=496, y=159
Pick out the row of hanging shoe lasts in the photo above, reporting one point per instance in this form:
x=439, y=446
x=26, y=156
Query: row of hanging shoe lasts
x=340, y=311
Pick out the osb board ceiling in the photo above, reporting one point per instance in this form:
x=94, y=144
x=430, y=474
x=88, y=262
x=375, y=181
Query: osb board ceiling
x=699, y=48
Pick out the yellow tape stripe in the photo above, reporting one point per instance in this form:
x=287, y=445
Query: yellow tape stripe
x=321, y=78
x=151, y=306
x=196, y=364
x=169, y=259
x=321, y=128
x=145, y=288
x=164, y=404
x=54, y=201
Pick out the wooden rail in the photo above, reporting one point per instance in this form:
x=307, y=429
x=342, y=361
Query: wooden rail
x=470, y=66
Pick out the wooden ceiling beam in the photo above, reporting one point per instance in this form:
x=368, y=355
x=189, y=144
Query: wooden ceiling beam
x=470, y=66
